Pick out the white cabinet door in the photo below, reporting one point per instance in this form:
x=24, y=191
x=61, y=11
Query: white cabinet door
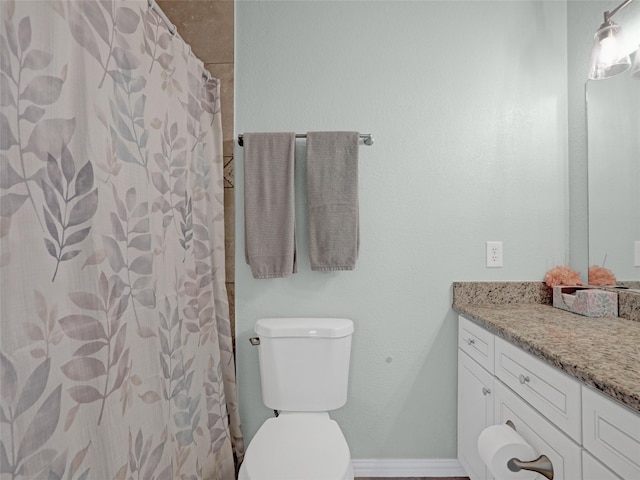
x=611, y=433
x=475, y=413
x=592, y=469
x=546, y=439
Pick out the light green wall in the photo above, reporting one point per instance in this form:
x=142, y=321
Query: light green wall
x=467, y=101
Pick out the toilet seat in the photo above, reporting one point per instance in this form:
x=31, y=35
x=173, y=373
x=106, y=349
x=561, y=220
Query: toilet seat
x=298, y=446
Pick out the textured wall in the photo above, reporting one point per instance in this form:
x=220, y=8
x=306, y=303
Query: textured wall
x=208, y=26
x=467, y=102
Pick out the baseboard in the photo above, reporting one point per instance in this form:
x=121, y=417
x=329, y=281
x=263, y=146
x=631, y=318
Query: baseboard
x=408, y=467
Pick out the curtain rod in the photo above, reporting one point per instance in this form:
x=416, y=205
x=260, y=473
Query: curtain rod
x=367, y=138
x=173, y=30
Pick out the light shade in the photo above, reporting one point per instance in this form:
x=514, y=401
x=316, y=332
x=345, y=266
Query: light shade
x=609, y=56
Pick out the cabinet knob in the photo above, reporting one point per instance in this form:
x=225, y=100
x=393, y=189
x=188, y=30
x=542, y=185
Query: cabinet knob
x=523, y=379
x=486, y=391
x=470, y=341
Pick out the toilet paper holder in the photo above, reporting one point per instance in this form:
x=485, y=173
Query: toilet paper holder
x=541, y=465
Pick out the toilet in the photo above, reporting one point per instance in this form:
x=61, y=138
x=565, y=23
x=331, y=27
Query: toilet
x=304, y=372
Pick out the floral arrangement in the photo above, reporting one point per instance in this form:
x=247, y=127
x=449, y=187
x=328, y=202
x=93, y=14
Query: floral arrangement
x=601, y=276
x=561, y=275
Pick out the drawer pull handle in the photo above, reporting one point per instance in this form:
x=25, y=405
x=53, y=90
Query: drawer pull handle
x=523, y=379
x=470, y=341
x=486, y=391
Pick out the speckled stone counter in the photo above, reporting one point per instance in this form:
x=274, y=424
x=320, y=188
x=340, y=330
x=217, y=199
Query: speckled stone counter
x=601, y=352
x=629, y=305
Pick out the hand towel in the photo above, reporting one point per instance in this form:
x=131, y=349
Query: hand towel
x=270, y=247
x=332, y=199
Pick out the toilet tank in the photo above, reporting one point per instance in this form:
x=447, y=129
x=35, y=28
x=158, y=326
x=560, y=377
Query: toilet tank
x=304, y=362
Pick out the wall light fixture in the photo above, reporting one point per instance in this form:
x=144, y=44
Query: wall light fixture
x=610, y=55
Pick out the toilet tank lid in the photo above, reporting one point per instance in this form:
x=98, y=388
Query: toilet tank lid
x=304, y=327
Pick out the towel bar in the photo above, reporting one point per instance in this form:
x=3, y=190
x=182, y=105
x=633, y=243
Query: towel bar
x=367, y=138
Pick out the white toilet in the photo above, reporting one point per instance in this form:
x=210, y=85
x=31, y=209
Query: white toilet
x=304, y=370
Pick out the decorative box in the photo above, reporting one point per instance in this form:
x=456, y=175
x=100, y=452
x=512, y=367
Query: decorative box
x=590, y=302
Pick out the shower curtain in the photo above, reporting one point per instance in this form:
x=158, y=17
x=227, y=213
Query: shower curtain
x=116, y=359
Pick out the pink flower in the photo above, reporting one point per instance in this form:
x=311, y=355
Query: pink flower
x=562, y=276
x=601, y=276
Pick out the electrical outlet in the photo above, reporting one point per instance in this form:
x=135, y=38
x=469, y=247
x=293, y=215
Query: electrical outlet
x=494, y=254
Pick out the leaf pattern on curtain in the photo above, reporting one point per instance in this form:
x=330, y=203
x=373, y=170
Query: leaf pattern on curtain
x=116, y=359
x=71, y=202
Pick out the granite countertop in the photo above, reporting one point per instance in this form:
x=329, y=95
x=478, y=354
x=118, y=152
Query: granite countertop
x=601, y=352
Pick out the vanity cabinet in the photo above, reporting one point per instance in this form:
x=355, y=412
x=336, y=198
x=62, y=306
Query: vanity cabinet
x=586, y=435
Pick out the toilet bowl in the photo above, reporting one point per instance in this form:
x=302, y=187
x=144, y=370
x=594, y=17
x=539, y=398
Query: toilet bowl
x=298, y=446
x=304, y=372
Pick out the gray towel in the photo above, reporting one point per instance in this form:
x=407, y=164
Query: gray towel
x=332, y=199
x=270, y=247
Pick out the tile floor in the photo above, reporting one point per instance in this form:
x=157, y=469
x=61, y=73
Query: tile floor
x=412, y=478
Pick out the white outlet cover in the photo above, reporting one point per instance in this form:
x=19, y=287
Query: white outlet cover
x=494, y=254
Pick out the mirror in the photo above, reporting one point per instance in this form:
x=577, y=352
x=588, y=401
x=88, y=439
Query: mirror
x=613, y=123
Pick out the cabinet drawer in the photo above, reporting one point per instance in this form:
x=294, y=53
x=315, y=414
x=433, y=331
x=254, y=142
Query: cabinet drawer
x=565, y=455
x=611, y=433
x=476, y=342
x=592, y=469
x=547, y=389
